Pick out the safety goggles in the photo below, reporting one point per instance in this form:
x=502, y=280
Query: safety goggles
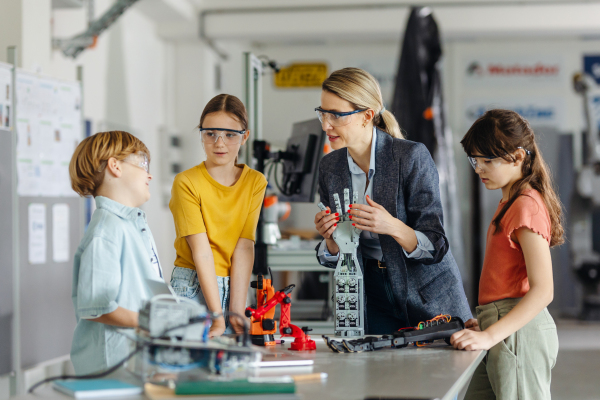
x=335, y=118
x=487, y=163
x=229, y=136
x=139, y=160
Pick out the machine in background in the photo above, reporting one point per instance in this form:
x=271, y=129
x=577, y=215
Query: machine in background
x=273, y=212
x=300, y=164
x=584, y=213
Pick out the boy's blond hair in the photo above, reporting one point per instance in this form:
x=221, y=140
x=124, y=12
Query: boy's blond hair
x=90, y=157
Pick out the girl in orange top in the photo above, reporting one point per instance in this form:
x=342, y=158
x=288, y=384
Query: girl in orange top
x=516, y=284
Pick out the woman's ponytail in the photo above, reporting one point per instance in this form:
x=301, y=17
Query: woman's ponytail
x=388, y=123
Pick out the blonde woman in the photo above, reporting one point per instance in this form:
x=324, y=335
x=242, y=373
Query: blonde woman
x=409, y=272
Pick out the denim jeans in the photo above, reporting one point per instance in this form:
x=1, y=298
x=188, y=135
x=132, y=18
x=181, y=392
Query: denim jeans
x=383, y=316
x=185, y=284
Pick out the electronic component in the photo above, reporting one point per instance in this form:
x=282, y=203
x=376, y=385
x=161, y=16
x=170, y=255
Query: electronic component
x=161, y=314
x=440, y=327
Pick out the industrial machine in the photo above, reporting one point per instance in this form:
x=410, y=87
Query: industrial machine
x=440, y=327
x=584, y=212
x=262, y=316
x=273, y=212
x=349, y=287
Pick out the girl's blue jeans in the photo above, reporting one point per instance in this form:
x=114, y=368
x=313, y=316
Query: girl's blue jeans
x=185, y=284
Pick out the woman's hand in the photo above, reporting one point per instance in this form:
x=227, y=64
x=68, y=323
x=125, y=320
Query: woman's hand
x=325, y=222
x=374, y=218
x=468, y=339
x=473, y=325
x=217, y=328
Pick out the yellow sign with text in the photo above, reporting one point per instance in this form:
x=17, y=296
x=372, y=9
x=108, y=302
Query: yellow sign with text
x=301, y=76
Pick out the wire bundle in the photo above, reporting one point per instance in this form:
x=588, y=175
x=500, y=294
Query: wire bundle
x=437, y=320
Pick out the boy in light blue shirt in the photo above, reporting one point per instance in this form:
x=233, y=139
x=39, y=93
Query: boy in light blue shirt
x=117, y=254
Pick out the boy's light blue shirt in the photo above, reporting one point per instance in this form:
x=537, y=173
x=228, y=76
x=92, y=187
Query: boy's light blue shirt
x=112, y=264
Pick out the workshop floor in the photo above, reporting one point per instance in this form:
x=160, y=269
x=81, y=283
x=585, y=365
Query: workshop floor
x=576, y=374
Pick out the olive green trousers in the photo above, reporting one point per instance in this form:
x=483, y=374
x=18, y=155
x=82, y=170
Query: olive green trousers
x=520, y=366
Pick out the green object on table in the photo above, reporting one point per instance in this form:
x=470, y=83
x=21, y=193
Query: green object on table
x=233, y=387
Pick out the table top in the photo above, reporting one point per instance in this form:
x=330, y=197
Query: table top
x=436, y=371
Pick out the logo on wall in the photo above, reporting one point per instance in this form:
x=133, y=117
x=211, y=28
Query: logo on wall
x=475, y=69
x=512, y=70
x=538, y=111
x=591, y=66
x=529, y=112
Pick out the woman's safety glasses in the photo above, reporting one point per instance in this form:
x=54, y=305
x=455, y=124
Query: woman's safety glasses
x=335, y=118
x=229, y=136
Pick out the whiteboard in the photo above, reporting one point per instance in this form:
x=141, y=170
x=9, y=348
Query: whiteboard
x=49, y=128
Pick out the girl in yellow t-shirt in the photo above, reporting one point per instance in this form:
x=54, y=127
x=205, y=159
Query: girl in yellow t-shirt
x=215, y=207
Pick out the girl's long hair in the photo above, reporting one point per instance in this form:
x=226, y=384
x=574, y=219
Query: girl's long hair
x=499, y=133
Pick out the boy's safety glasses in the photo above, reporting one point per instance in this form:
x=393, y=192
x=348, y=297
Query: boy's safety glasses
x=335, y=118
x=229, y=136
x=139, y=160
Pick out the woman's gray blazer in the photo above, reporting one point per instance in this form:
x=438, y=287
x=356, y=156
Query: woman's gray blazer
x=406, y=184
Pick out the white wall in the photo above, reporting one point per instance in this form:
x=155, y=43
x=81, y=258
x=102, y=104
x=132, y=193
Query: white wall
x=125, y=82
x=125, y=87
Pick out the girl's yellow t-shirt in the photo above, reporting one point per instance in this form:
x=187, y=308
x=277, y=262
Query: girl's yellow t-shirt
x=226, y=213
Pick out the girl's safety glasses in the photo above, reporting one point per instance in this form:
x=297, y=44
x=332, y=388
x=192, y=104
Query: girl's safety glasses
x=335, y=118
x=484, y=163
x=487, y=163
x=229, y=136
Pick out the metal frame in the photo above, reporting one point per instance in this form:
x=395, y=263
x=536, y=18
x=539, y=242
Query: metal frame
x=17, y=377
x=253, y=71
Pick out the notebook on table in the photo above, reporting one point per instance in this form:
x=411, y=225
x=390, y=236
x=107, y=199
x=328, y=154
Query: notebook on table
x=89, y=388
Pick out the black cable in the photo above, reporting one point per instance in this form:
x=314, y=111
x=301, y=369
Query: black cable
x=89, y=376
x=281, y=190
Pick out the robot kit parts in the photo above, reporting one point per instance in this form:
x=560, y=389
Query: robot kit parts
x=262, y=317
